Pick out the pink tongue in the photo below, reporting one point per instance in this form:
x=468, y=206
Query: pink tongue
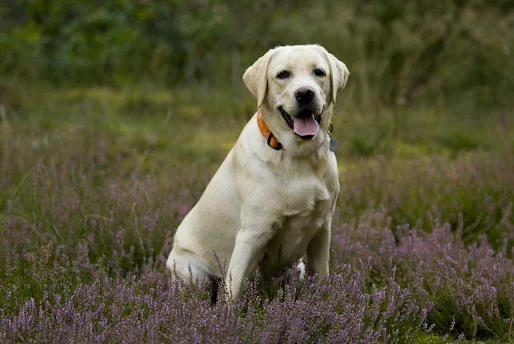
x=304, y=126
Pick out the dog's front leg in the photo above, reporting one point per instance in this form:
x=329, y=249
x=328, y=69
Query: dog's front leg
x=318, y=251
x=249, y=246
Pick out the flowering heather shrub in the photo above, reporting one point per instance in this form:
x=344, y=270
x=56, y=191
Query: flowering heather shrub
x=474, y=193
x=84, y=244
x=152, y=310
x=470, y=287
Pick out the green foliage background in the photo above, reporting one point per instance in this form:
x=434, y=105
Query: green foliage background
x=456, y=52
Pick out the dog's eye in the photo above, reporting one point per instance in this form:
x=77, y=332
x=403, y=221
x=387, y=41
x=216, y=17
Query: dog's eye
x=283, y=74
x=319, y=72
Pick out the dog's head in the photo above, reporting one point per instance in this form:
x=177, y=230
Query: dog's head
x=295, y=87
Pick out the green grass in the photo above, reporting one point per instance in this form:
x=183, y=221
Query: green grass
x=206, y=122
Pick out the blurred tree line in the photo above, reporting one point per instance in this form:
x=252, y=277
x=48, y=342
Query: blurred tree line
x=398, y=52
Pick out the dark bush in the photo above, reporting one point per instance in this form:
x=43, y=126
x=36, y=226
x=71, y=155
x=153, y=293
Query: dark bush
x=397, y=53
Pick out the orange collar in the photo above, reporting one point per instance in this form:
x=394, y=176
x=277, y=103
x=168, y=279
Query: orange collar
x=267, y=134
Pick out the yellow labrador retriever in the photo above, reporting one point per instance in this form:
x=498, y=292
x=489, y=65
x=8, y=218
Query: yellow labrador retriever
x=271, y=201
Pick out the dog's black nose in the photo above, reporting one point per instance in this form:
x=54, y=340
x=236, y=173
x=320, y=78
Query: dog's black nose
x=304, y=95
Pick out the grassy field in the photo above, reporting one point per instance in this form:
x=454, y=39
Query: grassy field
x=93, y=183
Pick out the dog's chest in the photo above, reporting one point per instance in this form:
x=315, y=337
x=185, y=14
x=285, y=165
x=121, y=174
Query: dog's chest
x=305, y=199
x=307, y=205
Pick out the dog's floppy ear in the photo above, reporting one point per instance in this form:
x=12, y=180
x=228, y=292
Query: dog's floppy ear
x=256, y=77
x=338, y=74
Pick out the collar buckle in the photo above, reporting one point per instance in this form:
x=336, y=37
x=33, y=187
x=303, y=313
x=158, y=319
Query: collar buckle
x=273, y=144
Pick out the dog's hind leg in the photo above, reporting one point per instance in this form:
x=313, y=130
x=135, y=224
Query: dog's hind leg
x=192, y=270
x=188, y=266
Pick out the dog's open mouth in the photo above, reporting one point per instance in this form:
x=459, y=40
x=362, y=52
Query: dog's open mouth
x=305, y=124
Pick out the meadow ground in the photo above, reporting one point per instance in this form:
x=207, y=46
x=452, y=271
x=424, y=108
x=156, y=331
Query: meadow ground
x=93, y=183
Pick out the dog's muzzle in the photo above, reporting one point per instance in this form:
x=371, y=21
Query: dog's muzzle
x=305, y=124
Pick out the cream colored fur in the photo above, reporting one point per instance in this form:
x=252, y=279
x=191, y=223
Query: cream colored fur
x=265, y=206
